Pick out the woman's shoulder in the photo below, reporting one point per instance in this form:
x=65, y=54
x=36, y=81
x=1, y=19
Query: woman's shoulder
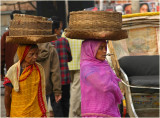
x=14, y=67
x=39, y=65
x=12, y=71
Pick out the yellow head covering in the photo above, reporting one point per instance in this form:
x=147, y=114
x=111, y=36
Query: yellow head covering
x=22, y=51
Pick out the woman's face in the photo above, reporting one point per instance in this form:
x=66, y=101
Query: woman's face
x=32, y=55
x=101, y=53
x=144, y=8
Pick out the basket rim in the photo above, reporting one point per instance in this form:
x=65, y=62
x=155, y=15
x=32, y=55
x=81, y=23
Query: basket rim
x=31, y=39
x=30, y=16
x=94, y=30
x=109, y=35
x=94, y=12
x=54, y=35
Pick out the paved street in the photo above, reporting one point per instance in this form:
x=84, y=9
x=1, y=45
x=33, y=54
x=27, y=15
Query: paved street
x=3, y=112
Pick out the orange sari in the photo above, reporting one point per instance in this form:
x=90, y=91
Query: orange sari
x=28, y=93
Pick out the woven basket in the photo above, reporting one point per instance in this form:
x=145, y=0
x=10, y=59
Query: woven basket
x=28, y=29
x=95, y=25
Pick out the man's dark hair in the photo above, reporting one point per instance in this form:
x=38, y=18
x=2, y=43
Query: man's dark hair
x=56, y=23
x=125, y=5
x=13, y=12
x=34, y=46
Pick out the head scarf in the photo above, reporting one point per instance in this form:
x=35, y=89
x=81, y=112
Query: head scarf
x=22, y=51
x=89, y=50
x=89, y=64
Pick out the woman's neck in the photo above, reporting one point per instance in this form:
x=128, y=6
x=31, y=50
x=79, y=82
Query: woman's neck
x=24, y=65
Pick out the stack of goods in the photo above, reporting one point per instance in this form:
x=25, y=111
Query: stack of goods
x=140, y=20
x=28, y=29
x=143, y=35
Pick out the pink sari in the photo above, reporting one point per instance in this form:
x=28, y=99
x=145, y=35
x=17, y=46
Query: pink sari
x=100, y=93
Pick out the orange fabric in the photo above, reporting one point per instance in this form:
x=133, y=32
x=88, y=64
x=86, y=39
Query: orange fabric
x=28, y=93
x=25, y=102
x=22, y=51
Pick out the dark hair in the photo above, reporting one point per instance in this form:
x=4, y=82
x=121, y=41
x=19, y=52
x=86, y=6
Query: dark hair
x=56, y=23
x=125, y=5
x=144, y=4
x=33, y=46
x=13, y=12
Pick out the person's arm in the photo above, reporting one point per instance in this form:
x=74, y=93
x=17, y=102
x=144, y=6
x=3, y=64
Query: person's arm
x=104, y=84
x=56, y=75
x=7, y=100
x=68, y=51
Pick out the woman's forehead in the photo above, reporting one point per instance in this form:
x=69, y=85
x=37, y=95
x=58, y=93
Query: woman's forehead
x=33, y=49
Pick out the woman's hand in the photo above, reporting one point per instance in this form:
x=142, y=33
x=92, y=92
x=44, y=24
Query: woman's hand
x=58, y=97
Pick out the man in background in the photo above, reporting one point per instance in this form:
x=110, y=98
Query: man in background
x=64, y=52
x=7, y=50
x=74, y=67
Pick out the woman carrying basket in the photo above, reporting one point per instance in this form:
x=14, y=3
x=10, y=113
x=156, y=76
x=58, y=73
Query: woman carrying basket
x=100, y=93
x=25, y=94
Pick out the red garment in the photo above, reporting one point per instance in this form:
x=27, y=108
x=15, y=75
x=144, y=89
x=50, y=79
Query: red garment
x=8, y=51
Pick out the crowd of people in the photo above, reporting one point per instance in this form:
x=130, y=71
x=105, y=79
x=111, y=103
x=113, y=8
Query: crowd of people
x=54, y=57
x=69, y=75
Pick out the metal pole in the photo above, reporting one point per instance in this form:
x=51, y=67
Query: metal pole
x=101, y=5
x=135, y=6
x=66, y=6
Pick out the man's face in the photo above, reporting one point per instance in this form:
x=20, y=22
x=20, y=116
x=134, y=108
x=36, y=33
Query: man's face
x=128, y=9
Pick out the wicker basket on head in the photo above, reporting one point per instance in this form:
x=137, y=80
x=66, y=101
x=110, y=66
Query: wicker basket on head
x=28, y=29
x=95, y=25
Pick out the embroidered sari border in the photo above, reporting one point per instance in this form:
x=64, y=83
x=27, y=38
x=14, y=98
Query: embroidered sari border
x=96, y=114
x=28, y=74
x=40, y=98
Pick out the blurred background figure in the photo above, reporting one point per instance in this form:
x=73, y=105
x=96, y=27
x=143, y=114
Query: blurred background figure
x=119, y=8
x=127, y=9
x=74, y=68
x=7, y=50
x=48, y=58
x=107, y=6
x=144, y=8
x=64, y=52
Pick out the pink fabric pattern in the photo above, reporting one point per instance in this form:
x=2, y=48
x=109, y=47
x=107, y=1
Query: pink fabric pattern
x=100, y=93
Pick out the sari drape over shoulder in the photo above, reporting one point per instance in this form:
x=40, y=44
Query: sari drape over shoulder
x=28, y=93
x=100, y=93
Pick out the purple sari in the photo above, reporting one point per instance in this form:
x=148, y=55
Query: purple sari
x=100, y=93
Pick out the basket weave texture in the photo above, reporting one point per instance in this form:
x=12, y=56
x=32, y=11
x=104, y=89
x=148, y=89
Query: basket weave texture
x=95, y=25
x=28, y=29
x=34, y=39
